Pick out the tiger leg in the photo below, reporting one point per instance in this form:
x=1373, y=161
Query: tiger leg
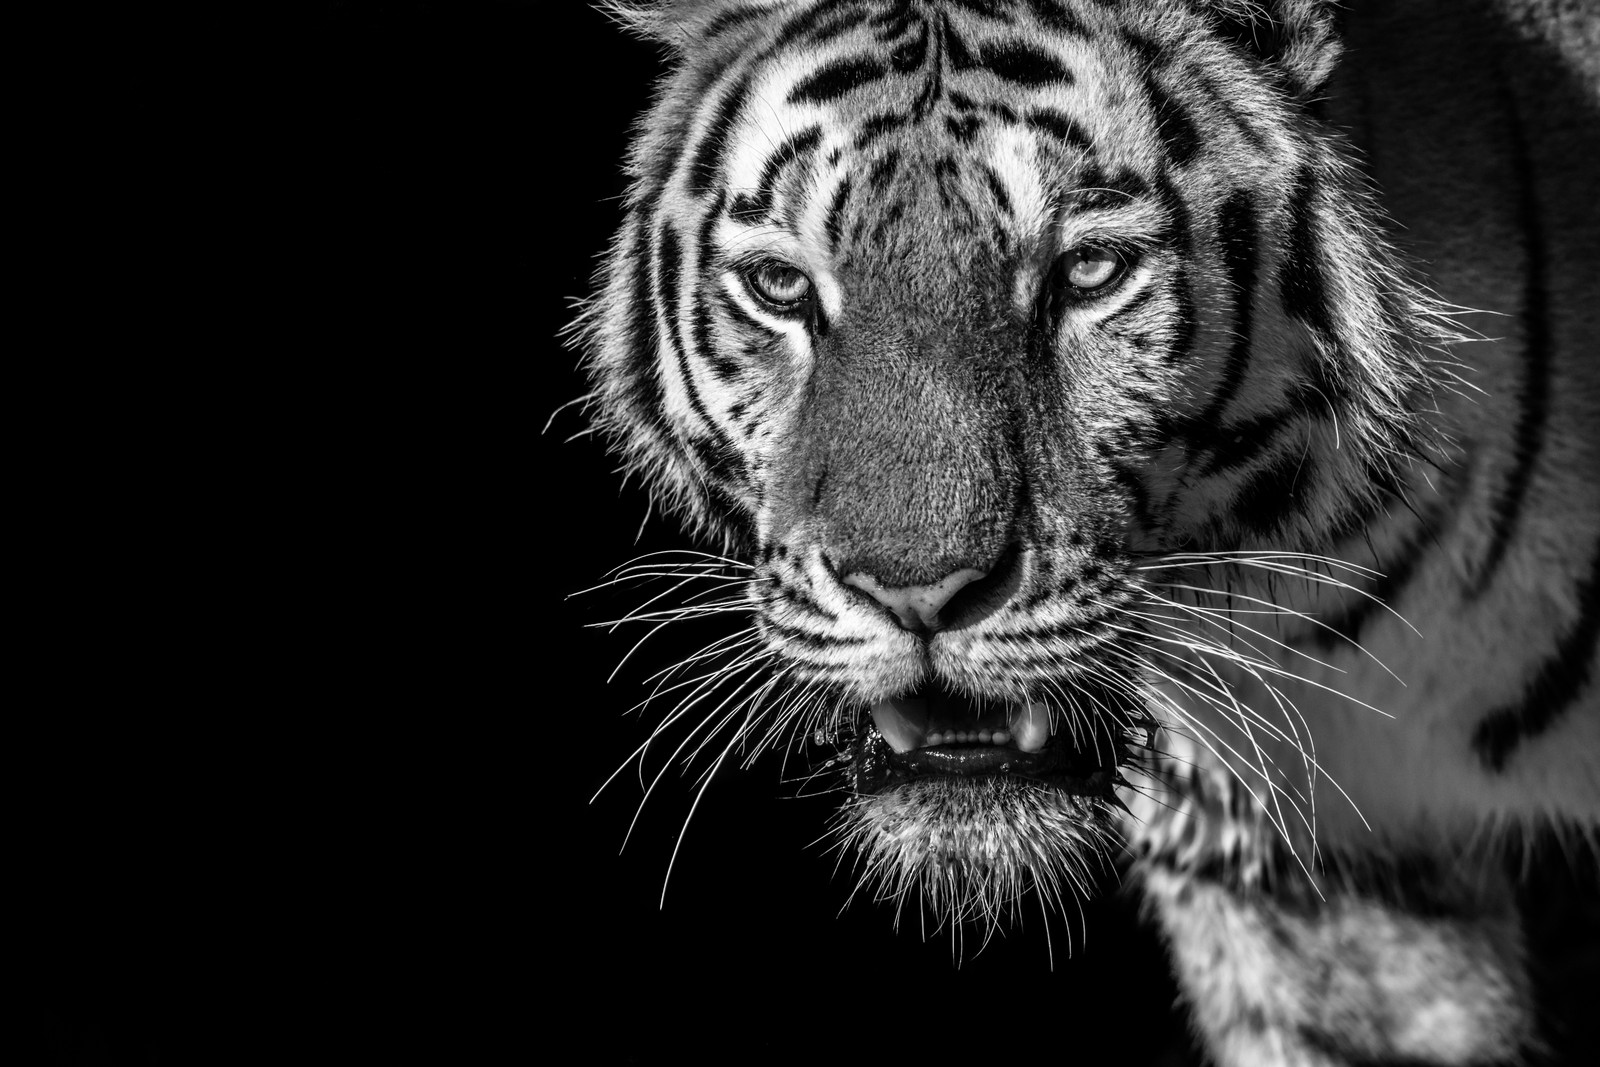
x=1395, y=976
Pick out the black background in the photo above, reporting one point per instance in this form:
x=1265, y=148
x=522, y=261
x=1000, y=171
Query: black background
x=312, y=773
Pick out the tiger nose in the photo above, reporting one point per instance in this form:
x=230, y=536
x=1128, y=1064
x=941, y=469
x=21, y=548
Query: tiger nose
x=916, y=606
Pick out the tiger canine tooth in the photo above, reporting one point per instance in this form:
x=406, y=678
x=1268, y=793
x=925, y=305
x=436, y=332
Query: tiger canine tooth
x=1029, y=726
x=903, y=723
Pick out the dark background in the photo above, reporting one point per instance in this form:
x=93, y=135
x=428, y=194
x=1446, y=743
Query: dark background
x=312, y=771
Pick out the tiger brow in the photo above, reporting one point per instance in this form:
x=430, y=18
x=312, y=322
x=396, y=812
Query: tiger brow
x=1107, y=192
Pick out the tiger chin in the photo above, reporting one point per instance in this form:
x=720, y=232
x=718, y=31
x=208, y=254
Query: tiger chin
x=1104, y=481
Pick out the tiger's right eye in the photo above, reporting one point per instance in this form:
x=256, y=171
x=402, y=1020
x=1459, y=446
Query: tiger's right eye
x=1088, y=269
x=783, y=287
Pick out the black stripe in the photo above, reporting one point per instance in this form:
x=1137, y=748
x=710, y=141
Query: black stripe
x=719, y=462
x=964, y=128
x=1231, y=447
x=1183, y=321
x=908, y=55
x=817, y=26
x=1182, y=238
x=723, y=366
x=754, y=208
x=836, y=213
x=1151, y=53
x=743, y=318
x=883, y=171
x=1173, y=124
x=1237, y=235
x=1012, y=61
x=944, y=176
x=1304, y=295
x=1134, y=305
x=748, y=207
x=807, y=638
x=1062, y=128
x=1552, y=691
x=1398, y=570
x=1269, y=496
x=1001, y=112
x=669, y=269
x=1098, y=190
x=706, y=166
x=878, y=125
x=1025, y=65
x=663, y=170
x=800, y=144
x=646, y=399
x=1247, y=128
x=890, y=217
x=891, y=22
x=725, y=499
x=838, y=78
x=1093, y=629
x=800, y=598
x=1533, y=399
x=998, y=188
x=956, y=52
x=1131, y=480
x=1053, y=16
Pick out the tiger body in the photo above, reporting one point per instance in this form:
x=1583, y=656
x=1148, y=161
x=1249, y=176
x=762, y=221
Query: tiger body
x=1053, y=362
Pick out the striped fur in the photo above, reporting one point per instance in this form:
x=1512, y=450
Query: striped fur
x=1322, y=573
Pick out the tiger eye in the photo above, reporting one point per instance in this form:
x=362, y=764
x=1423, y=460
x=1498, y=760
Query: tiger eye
x=1089, y=267
x=779, y=284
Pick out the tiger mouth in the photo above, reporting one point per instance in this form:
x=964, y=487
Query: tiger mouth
x=937, y=731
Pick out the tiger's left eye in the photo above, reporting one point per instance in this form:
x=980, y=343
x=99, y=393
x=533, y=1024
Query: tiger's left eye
x=1088, y=268
x=780, y=285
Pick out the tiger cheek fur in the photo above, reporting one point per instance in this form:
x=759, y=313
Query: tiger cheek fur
x=1050, y=375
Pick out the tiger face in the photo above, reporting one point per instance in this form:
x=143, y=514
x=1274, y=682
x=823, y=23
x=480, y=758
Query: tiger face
x=971, y=329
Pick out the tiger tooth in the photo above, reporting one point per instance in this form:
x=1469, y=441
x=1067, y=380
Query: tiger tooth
x=1029, y=726
x=903, y=723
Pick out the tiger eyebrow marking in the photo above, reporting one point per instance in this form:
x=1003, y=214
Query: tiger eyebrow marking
x=1013, y=61
x=1099, y=191
x=837, y=79
x=753, y=207
x=1061, y=127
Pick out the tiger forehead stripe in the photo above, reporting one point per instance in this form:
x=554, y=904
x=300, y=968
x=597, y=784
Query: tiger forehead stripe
x=780, y=115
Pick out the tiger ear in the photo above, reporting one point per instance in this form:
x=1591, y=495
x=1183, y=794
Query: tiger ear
x=1297, y=39
x=675, y=23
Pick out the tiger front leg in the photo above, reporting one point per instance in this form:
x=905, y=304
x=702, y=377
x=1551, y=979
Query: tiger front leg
x=1403, y=975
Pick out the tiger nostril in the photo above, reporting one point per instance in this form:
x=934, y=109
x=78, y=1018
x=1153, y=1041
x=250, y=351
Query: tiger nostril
x=916, y=607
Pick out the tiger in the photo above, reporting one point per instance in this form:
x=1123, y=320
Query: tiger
x=1163, y=433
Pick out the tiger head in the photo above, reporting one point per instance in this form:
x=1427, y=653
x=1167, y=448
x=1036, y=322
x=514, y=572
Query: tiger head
x=967, y=328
